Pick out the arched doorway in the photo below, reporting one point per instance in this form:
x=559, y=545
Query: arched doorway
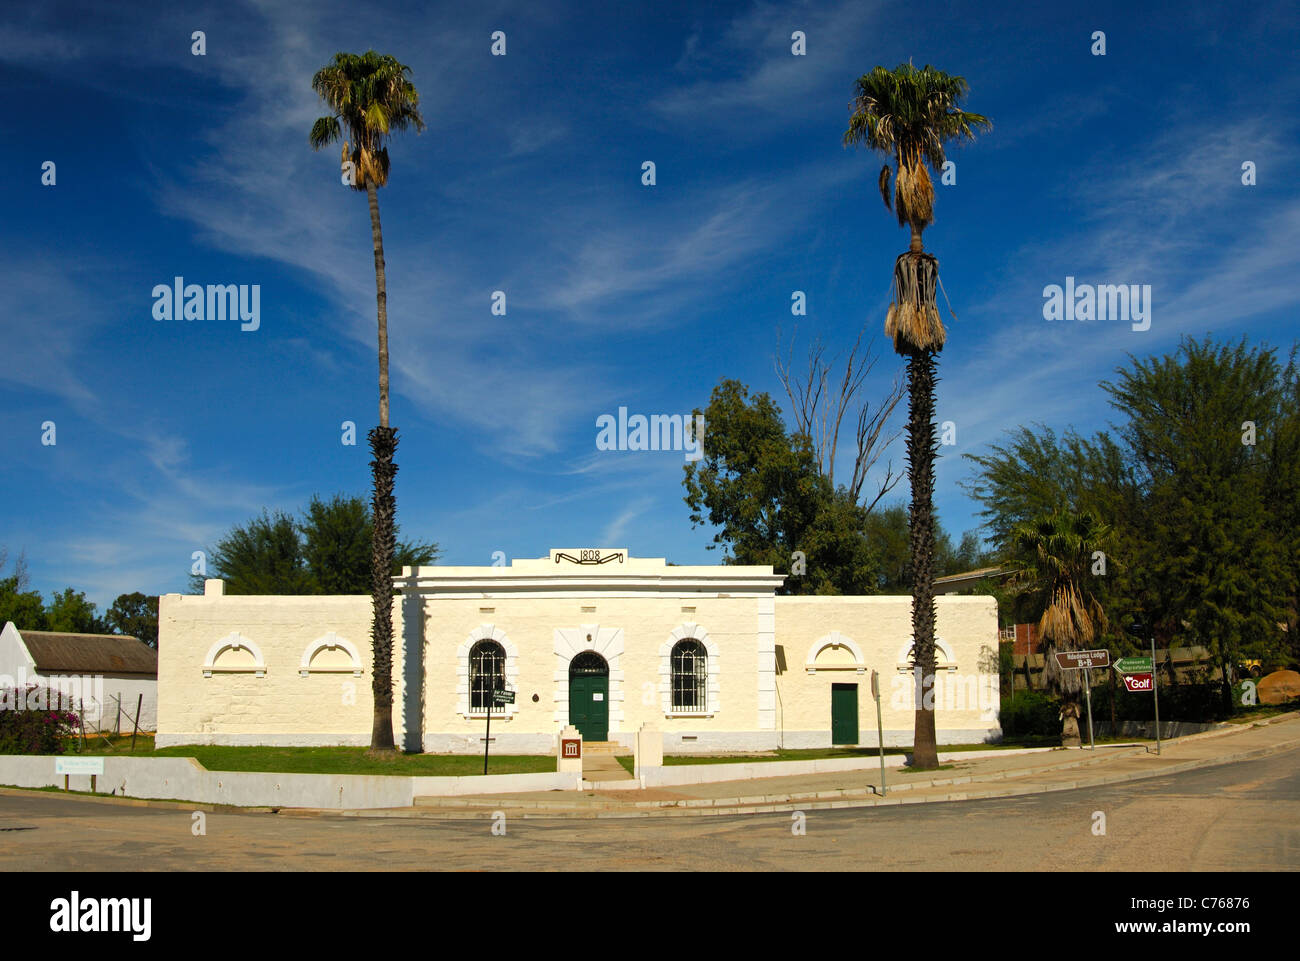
x=589, y=696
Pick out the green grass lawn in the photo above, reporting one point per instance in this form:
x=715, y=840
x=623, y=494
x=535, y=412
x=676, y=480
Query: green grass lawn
x=325, y=760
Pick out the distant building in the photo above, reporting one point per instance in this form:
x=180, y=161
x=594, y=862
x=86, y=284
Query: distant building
x=93, y=674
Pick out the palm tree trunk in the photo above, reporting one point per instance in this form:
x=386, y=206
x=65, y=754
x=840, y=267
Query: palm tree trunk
x=381, y=299
x=920, y=456
x=383, y=444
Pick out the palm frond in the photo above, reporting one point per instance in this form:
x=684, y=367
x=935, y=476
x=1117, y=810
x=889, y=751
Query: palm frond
x=371, y=96
x=910, y=114
x=324, y=131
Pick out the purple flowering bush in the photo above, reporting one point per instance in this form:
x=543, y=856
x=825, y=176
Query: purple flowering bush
x=28, y=726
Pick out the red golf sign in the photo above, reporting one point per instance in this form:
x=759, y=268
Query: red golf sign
x=1137, y=682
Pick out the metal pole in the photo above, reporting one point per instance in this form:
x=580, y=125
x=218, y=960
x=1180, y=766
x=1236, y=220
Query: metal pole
x=487, y=738
x=1087, y=679
x=1155, y=688
x=880, y=730
x=880, y=739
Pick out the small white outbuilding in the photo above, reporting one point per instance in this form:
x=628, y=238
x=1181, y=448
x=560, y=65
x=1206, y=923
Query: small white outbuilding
x=103, y=677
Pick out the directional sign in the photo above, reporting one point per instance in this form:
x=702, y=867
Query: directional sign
x=1072, y=660
x=78, y=765
x=1138, y=682
x=503, y=697
x=1135, y=665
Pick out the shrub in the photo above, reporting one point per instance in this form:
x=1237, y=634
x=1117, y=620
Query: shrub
x=1031, y=713
x=28, y=726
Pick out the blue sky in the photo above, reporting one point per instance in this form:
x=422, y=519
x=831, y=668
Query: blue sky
x=1123, y=168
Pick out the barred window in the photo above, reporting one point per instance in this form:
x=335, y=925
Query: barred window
x=487, y=673
x=690, y=676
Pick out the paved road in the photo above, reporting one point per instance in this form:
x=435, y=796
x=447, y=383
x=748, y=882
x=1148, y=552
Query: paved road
x=1235, y=817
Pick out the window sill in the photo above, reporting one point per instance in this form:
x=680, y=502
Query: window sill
x=690, y=714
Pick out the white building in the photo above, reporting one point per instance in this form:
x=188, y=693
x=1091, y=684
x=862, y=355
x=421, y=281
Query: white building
x=709, y=655
x=96, y=675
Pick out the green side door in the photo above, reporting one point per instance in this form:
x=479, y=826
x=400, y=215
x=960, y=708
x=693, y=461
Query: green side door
x=844, y=714
x=589, y=706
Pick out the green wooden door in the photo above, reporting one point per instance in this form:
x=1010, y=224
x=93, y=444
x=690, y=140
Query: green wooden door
x=589, y=697
x=844, y=714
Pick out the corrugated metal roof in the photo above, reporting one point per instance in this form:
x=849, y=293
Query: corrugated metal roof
x=57, y=653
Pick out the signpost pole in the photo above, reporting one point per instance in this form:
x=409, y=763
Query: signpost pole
x=1155, y=688
x=487, y=737
x=880, y=728
x=1087, y=680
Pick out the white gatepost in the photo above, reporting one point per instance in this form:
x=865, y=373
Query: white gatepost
x=565, y=757
x=648, y=749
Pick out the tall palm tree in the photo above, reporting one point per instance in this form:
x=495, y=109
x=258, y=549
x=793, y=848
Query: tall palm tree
x=369, y=96
x=1055, y=557
x=909, y=114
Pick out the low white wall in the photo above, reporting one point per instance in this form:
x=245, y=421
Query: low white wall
x=496, y=784
x=747, y=770
x=184, y=779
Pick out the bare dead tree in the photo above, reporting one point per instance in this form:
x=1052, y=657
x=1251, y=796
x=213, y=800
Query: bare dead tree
x=819, y=410
x=20, y=574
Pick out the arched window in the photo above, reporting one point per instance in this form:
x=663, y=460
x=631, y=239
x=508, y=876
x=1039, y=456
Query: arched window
x=487, y=673
x=690, y=666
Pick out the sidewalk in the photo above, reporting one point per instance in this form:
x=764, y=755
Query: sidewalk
x=1005, y=776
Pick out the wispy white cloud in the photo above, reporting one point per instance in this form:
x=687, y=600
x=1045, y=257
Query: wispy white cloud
x=770, y=84
x=617, y=528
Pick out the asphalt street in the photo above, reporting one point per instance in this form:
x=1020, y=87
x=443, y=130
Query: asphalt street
x=1242, y=816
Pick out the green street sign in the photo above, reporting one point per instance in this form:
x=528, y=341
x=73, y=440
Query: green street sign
x=503, y=697
x=1134, y=665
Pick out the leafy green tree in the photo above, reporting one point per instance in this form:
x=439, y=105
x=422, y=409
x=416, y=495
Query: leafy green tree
x=1219, y=566
x=909, y=115
x=262, y=556
x=762, y=488
x=135, y=615
x=337, y=536
x=1282, y=494
x=26, y=608
x=1204, y=545
x=326, y=552
x=370, y=97
x=886, y=531
x=72, y=613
